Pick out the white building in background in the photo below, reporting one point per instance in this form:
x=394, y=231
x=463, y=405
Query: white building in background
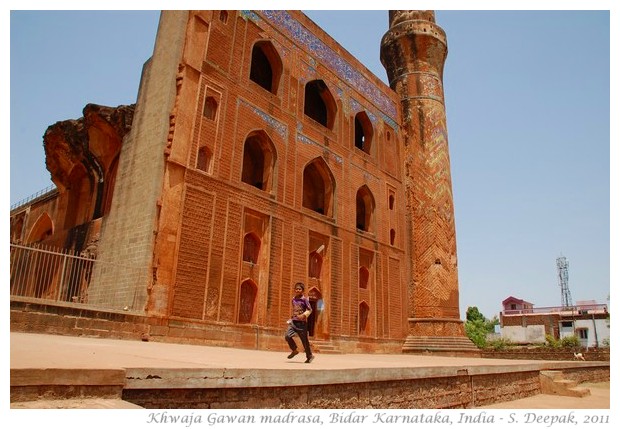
x=522, y=323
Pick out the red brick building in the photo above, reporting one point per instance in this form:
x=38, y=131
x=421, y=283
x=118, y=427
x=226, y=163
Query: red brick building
x=261, y=153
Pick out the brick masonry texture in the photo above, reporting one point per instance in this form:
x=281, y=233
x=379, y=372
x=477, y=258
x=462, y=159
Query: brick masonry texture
x=229, y=154
x=431, y=393
x=211, y=207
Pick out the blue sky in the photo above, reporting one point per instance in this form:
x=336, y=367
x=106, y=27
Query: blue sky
x=528, y=107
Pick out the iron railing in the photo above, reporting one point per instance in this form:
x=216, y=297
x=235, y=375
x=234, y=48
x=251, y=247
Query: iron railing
x=45, y=273
x=575, y=309
x=32, y=198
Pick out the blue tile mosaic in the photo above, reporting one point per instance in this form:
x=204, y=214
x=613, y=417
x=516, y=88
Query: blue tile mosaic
x=355, y=107
x=305, y=140
x=279, y=127
x=348, y=73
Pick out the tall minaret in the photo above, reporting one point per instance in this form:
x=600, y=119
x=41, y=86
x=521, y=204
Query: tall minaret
x=413, y=52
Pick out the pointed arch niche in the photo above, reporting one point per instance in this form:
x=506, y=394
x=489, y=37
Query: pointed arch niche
x=365, y=269
x=363, y=133
x=364, y=209
x=259, y=158
x=208, y=129
x=318, y=187
x=42, y=229
x=251, y=248
x=319, y=103
x=209, y=110
x=266, y=67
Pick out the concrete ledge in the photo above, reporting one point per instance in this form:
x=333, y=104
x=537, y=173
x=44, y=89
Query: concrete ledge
x=166, y=378
x=67, y=377
x=34, y=384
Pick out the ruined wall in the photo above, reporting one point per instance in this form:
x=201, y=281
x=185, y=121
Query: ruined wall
x=128, y=232
x=81, y=156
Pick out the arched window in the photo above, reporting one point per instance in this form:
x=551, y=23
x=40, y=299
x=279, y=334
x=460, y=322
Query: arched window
x=251, y=247
x=247, y=301
x=364, y=275
x=392, y=236
x=223, y=16
x=363, y=132
x=319, y=104
x=266, y=67
x=364, y=310
x=365, y=206
x=258, y=161
x=318, y=187
x=203, y=160
x=210, y=108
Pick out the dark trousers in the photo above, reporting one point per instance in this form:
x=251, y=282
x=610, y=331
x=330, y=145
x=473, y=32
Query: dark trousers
x=301, y=329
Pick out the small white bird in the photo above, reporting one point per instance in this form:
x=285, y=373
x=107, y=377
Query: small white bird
x=579, y=356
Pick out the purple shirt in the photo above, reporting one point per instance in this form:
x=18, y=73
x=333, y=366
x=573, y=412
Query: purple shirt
x=300, y=305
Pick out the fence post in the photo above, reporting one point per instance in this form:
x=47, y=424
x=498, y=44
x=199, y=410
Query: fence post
x=62, y=276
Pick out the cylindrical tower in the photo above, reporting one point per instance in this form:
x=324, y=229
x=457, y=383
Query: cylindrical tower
x=413, y=52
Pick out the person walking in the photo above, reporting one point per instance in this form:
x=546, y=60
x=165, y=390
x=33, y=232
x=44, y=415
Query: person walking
x=298, y=323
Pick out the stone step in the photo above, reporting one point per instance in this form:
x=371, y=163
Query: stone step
x=325, y=347
x=569, y=384
x=554, y=383
x=438, y=344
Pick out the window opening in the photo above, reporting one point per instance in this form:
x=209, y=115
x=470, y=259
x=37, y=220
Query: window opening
x=203, y=160
x=364, y=208
x=318, y=188
x=266, y=66
x=319, y=103
x=258, y=162
x=260, y=71
x=363, y=132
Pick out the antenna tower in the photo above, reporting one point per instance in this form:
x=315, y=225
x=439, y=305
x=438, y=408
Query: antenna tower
x=562, y=265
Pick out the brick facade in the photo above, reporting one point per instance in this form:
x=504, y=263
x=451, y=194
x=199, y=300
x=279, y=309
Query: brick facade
x=261, y=154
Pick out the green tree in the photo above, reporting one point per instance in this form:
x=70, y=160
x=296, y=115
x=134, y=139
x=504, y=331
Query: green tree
x=477, y=326
x=474, y=314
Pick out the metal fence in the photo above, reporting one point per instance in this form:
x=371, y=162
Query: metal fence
x=41, y=272
x=31, y=199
